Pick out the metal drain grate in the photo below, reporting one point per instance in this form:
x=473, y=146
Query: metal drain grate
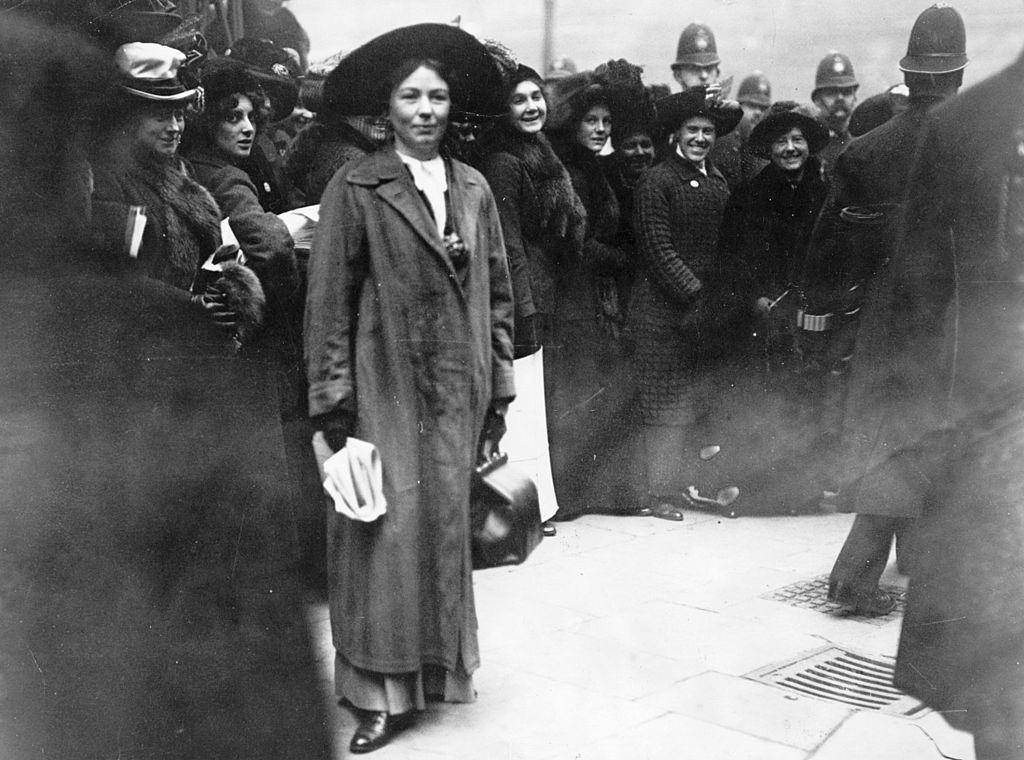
x=813, y=594
x=839, y=675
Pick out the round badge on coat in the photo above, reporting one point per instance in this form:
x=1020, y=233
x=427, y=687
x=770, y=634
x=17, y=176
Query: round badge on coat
x=694, y=183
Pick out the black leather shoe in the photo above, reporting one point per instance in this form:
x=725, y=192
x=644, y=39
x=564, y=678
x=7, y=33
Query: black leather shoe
x=549, y=529
x=377, y=729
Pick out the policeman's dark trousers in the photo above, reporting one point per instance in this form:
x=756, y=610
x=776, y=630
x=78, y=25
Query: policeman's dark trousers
x=863, y=557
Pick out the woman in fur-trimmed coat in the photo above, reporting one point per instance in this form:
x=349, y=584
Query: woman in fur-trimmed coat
x=542, y=219
x=544, y=215
x=594, y=400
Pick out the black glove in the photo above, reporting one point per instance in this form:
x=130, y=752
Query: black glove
x=213, y=303
x=492, y=433
x=336, y=426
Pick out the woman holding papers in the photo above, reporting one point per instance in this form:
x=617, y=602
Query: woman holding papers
x=148, y=213
x=218, y=145
x=409, y=348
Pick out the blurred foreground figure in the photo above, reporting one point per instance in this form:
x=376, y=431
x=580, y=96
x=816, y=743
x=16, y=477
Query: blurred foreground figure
x=148, y=610
x=956, y=320
x=847, y=274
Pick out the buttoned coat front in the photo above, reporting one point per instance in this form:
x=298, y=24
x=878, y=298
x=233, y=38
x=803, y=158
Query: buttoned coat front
x=416, y=348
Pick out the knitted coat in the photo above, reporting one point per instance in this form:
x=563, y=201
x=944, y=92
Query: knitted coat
x=542, y=219
x=677, y=219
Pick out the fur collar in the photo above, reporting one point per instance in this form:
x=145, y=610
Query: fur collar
x=186, y=213
x=561, y=213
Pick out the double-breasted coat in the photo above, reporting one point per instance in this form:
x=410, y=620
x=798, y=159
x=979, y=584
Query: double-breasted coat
x=417, y=349
x=956, y=324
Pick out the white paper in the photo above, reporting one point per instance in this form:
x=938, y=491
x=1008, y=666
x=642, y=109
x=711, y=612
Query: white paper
x=353, y=478
x=526, y=441
x=301, y=224
x=137, y=223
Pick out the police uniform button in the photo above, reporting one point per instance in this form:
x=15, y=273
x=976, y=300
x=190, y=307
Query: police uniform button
x=694, y=183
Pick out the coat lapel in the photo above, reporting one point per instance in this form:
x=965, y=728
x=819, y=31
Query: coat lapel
x=398, y=191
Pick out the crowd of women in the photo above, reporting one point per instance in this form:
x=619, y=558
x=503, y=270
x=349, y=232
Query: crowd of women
x=470, y=213
x=590, y=228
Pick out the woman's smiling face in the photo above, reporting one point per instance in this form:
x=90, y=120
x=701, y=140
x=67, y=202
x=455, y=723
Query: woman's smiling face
x=527, y=107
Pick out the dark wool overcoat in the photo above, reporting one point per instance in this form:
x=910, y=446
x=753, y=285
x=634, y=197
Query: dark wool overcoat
x=958, y=345
x=765, y=231
x=874, y=169
x=677, y=217
x=148, y=608
x=734, y=159
x=270, y=253
x=318, y=151
x=262, y=236
x=542, y=218
x=148, y=537
x=416, y=350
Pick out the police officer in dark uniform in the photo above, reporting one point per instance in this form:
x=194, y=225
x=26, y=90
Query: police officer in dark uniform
x=731, y=153
x=852, y=242
x=835, y=93
x=697, y=62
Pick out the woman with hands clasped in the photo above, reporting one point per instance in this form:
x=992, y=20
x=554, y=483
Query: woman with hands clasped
x=409, y=348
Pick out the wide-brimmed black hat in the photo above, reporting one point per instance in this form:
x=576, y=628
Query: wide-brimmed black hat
x=782, y=117
x=275, y=70
x=678, y=107
x=221, y=77
x=570, y=97
x=357, y=87
x=150, y=71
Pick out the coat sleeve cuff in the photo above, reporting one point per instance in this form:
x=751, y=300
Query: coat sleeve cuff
x=503, y=383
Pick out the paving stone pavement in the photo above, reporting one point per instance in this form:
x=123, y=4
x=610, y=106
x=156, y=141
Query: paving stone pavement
x=637, y=638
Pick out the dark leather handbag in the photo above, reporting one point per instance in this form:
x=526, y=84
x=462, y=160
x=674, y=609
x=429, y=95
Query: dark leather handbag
x=504, y=514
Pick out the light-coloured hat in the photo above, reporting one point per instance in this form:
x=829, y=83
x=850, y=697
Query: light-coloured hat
x=150, y=71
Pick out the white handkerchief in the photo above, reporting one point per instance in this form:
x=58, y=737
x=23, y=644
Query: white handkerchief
x=353, y=478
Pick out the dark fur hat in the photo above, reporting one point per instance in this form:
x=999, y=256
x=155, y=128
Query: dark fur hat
x=783, y=116
x=629, y=101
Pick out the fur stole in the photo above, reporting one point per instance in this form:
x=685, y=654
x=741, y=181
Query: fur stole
x=244, y=296
x=561, y=213
x=184, y=212
x=593, y=188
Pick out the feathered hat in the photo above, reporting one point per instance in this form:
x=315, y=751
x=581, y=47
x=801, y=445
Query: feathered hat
x=629, y=101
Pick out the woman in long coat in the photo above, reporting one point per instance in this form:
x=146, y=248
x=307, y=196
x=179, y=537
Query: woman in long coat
x=592, y=395
x=679, y=207
x=409, y=347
